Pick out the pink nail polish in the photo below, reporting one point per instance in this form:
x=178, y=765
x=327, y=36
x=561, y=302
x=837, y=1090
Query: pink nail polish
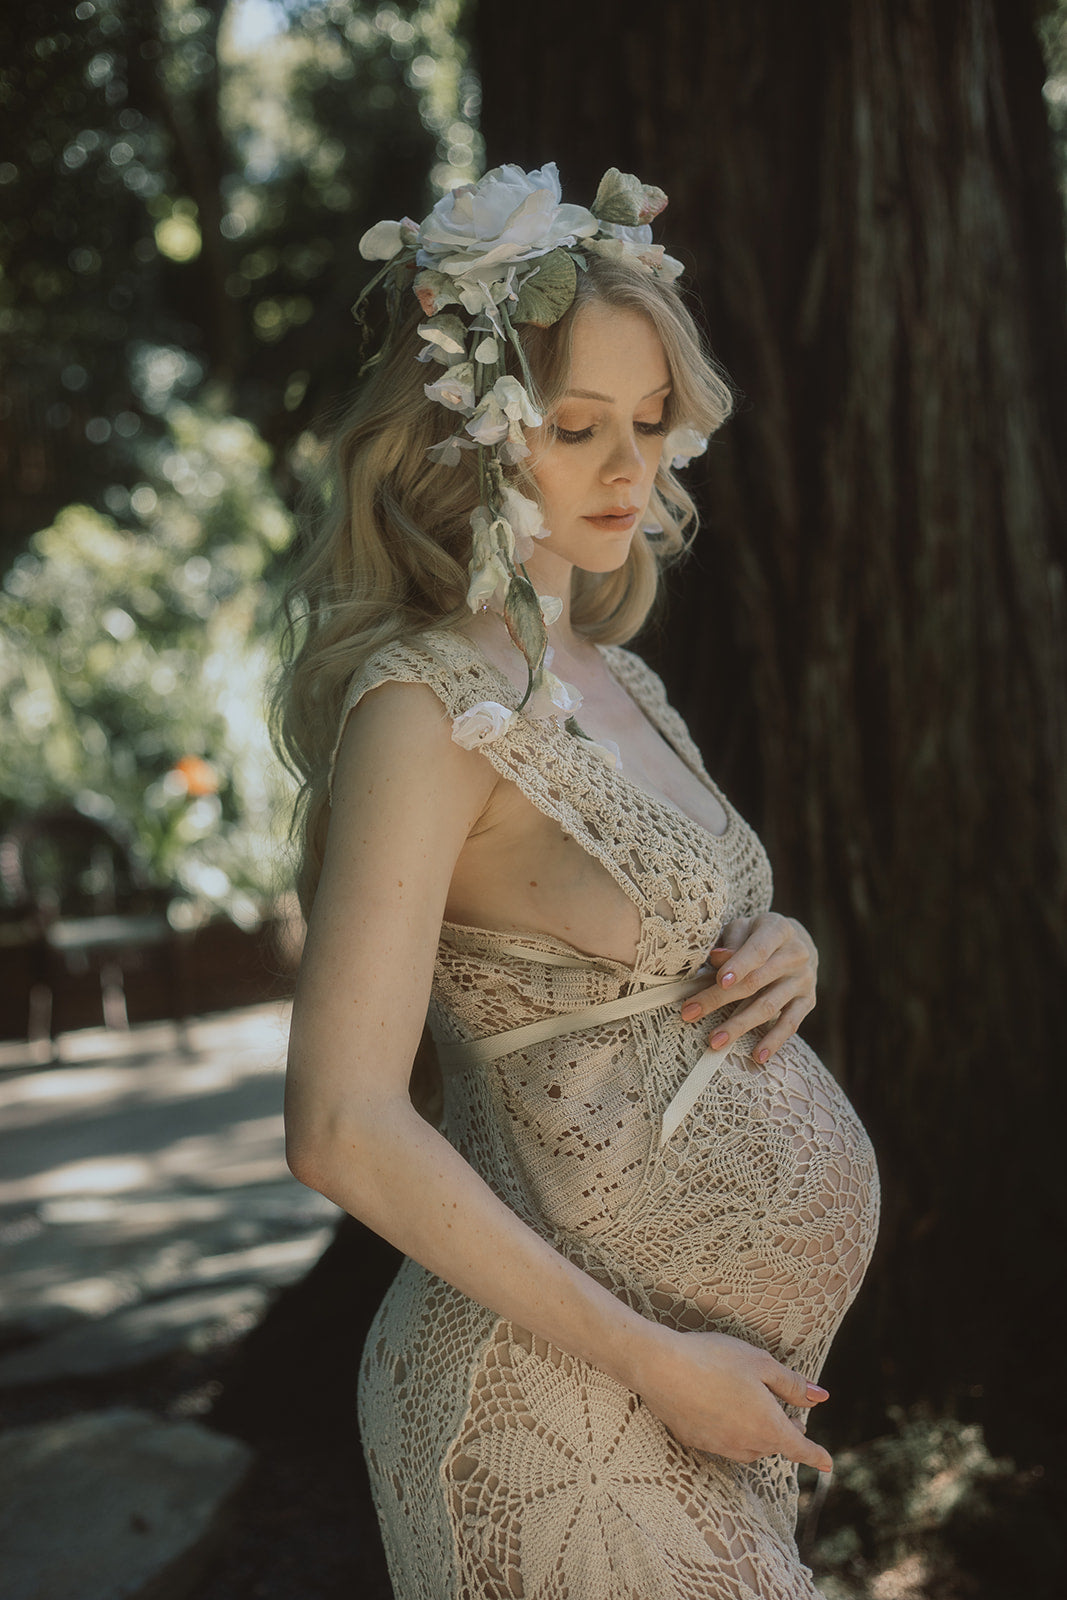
x=726, y=978
x=817, y=1392
x=691, y=1011
x=762, y=1056
x=719, y=1039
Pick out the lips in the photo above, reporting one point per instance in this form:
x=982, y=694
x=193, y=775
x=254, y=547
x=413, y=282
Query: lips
x=618, y=519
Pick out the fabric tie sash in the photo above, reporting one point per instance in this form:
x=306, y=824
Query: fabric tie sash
x=456, y=1056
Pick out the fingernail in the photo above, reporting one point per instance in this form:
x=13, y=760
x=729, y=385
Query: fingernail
x=762, y=1056
x=691, y=1010
x=726, y=978
x=816, y=1392
x=719, y=950
x=719, y=1039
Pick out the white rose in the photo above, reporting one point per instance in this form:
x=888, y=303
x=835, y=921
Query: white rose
x=481, y=724
x=507, y=216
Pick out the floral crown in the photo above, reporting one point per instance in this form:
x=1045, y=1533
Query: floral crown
x=489, y=257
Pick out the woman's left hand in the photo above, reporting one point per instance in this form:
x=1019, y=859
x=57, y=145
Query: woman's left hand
x=771, y=962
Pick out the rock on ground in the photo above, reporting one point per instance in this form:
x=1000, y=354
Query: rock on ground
x=113, y=1505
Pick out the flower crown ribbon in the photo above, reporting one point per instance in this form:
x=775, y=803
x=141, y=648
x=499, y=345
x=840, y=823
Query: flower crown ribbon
x=491, y=256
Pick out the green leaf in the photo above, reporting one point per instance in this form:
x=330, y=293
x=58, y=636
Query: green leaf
x=618, y=198
x=547, y=293
x=522, y=614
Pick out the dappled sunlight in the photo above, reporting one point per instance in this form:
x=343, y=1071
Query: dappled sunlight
x=108, y=1175
x=158, y=1173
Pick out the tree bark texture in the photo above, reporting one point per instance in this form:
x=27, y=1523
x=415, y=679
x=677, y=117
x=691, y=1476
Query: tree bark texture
x=869, y=641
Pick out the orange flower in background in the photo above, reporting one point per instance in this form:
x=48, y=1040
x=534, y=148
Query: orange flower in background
x=199, y=776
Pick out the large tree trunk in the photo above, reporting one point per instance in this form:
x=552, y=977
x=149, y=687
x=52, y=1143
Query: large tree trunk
x=872, y=652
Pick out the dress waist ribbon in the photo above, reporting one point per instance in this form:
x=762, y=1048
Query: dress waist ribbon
x=460, y=1055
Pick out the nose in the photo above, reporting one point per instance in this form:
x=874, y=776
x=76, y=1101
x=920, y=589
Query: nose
x=623, y=461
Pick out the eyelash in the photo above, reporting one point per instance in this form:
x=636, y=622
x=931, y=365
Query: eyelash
x=570, y=436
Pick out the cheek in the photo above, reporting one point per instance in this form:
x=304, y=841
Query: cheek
x=553, y=478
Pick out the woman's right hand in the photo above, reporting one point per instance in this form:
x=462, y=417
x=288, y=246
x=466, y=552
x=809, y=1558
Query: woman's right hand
x=720, y=1394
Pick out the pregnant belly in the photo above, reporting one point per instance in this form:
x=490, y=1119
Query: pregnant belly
x=759, y=1216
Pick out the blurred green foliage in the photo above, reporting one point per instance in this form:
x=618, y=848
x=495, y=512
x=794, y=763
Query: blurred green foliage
x=135, y=656
x=922, y=1510
x=194, y=179
x=182, y=191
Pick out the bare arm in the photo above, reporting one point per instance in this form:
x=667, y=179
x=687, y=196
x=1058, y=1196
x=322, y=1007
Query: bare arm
x=405, y=800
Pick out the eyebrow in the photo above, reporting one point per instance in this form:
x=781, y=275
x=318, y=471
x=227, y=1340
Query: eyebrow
x=591, y=394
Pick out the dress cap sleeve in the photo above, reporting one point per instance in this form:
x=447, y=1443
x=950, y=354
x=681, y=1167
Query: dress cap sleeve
x=444, y=662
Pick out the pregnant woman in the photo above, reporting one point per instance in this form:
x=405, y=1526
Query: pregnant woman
x=638, y=1206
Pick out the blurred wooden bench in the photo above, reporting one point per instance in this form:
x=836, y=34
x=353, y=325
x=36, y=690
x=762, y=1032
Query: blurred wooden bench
x=77, y=901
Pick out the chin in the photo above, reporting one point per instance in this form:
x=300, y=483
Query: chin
x=610, y=553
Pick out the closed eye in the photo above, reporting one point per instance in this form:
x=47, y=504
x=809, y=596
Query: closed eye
x=580, y=435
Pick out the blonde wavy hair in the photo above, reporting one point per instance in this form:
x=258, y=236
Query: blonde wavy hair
x=386, y=533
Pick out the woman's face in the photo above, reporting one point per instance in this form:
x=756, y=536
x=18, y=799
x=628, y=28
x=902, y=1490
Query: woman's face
x=596, y=457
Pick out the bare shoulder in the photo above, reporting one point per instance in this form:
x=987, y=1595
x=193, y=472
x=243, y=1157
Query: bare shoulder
x=397, y=760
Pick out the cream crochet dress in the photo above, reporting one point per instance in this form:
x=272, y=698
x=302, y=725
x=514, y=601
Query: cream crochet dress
x=502, y=1468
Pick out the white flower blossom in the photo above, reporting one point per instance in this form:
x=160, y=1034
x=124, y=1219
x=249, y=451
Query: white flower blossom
x=524, y=516
x=489, y=535
x=635, y=244
x=492, y=555
x=683, y=445
x=489, y=424
x=551, y=608
x=455, y=389
x=489, y=584
x=447, y=453
x=482, y=724
x=518, y=406
x=386, y=239
x=483, y=298
x=505, y=406
x=514, y=447
x=446, y=334
x=552, y=697
x=506, y=217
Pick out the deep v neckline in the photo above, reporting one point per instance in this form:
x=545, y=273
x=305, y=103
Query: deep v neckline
x=621, y=776
x=673, y=870
x=654, y=795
